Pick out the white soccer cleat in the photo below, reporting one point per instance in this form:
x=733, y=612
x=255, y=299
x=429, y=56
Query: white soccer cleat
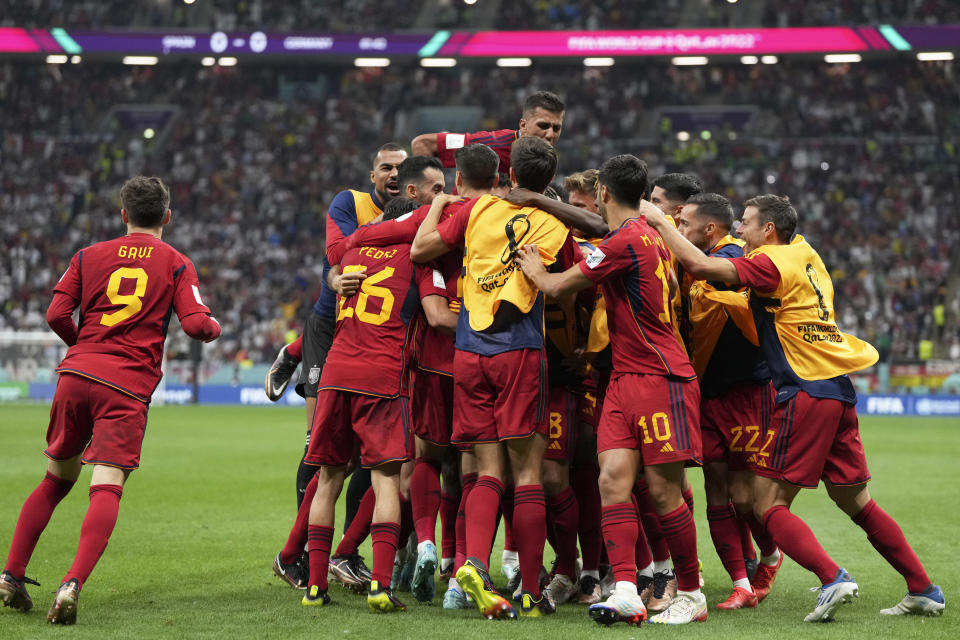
x=560, y=590
x=842, y=590
x=685, y=607
x=929, y=603
x=619, y=608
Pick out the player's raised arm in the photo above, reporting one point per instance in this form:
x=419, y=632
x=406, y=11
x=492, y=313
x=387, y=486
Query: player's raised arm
x=700, y=265
x=424, y=145
x=428, y=243
x=568, y=214
x=554, y=285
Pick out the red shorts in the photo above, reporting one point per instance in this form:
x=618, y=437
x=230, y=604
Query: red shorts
x=733, y=425
x=431, y=407
x=812, y=439
x=562, y=425
x=656, y=415
x=500, y=397
x=104, y=424
x=344, y=420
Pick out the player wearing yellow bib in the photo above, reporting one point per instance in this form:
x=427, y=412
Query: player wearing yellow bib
x=813, y=434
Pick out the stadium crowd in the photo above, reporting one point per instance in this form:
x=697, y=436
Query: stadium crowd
x=251, y=171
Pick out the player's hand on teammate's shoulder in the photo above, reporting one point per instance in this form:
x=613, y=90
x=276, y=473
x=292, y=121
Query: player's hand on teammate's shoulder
x=522, y=197
x=528, y=259
x=443, y=199
x=347, y=284
x=652, y=214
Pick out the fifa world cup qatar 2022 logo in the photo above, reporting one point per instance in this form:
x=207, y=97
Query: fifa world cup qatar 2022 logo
x=516, y=230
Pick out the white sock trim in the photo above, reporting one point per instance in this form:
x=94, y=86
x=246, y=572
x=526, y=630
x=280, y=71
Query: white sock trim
x=772, y=559
x=743, y=583
x=626, y=588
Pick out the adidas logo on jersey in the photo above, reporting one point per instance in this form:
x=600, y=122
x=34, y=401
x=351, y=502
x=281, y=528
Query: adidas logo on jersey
x=554, y=445
x=666, y=448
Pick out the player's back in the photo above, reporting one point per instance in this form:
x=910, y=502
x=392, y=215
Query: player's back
x=639, y=311
x=127, y=289
x=372, y=342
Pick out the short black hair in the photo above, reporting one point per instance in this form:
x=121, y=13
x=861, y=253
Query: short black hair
x=478, y=165
x=677, y=187
x=503, y=180
x=546, y=100
x=412, y=169
x=779, y=211
x=713, y=206
x=390, y=146
x=625, y=177
x=534, y=161
x=146, y=200
x=398, y=207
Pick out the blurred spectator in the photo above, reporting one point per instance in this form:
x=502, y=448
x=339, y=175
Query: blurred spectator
x=866, y=152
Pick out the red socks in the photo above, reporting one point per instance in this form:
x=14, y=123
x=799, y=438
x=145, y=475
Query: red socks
x=795, y=539
x=507, y=502
x=319, y=541
x=681, y=534
x=295, y=348
x=725, y=531
x=483, y=503
x=651, y=522
x=96, y=529
x=642, y=556
x=530, y=525
x=298, y=534
x=385, y=536
x=764, y=540
x=885, y=535
x=746, y=540
x=359, y=527
x=620, y=531
x=467, y=482
x=448, y=524
x=34, y=517
x=588, y=500
x=688, y=497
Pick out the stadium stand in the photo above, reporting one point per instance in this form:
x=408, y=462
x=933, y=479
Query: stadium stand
x=867, y=153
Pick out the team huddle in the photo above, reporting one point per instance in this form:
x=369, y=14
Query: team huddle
x=502, y=355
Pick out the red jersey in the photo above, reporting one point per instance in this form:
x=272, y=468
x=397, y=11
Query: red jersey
x=633, y=266
x=126, y=289
x=435, y=352
x=372, y=345
x=501, y=141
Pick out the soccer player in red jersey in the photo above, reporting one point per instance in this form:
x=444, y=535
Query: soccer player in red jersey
x=651, y=410
x=374, y=331
x=126, y=289
x=737, y=399
x=542, y=118
x=499, y=376
x=432, y=393
x=813, y=434
x=349, y=209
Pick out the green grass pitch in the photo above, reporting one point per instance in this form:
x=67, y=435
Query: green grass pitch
x=213, y=501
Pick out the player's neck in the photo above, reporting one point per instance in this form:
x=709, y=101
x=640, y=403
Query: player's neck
x=617, y=215
x=468, y=193
x=156, y=233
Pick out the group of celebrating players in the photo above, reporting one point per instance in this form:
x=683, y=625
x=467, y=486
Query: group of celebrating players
x=503, y=355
